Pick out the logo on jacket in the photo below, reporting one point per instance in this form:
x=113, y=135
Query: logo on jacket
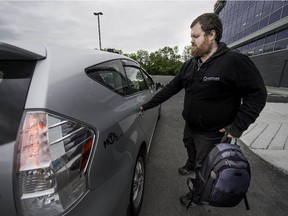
x=205, y=78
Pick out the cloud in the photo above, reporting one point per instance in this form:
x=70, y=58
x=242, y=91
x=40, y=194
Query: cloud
x=125, y=25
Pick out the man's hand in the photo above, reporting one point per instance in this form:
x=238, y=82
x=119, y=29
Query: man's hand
x=229, y=135
x=141, y=111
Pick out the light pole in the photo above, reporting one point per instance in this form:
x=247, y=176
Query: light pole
x=98, y=15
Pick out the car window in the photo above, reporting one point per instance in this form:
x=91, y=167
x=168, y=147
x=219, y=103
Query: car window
x=110, y=74
x=15, y=78
x=135, y=79
x=149, y=81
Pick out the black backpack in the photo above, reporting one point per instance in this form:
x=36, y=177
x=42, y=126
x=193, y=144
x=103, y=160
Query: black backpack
x=224, y=177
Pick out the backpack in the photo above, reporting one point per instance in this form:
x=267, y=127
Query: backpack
x=224, y=177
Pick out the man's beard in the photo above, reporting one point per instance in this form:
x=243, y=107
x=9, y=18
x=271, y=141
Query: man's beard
x=204, y=49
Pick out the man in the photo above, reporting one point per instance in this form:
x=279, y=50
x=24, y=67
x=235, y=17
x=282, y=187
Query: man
x=224, y=92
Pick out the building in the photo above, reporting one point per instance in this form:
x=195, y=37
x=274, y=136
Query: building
x=258, y=29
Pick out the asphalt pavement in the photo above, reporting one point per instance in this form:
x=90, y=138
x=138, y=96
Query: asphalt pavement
x=268, y=135
x=268, y=192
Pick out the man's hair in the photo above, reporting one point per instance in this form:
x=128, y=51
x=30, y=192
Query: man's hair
x=209, y=22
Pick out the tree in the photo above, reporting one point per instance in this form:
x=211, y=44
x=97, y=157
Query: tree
x=187, y=53
x=165, y=61
x=141, y=56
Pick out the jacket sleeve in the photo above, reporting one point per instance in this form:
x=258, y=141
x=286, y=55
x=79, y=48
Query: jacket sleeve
x=172, y=88
x=253, y=93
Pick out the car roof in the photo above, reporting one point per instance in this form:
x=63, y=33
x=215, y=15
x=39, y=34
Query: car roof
x=23, y=50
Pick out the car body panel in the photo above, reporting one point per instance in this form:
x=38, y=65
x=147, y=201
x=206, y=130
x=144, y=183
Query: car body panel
x=61, y=86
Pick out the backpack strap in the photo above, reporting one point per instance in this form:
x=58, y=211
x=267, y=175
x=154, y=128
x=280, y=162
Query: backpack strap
x=226, y=139
x=192, y=190
x=246, y=202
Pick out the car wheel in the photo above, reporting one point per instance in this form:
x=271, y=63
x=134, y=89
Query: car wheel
x=137, y=190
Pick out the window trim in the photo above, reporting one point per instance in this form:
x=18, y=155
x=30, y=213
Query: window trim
x=121, y=71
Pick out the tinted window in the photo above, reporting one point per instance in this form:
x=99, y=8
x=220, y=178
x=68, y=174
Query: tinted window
x=267, y=8
x=148, y=80
x=258, y=11
x=276, y=5
x=275, y=16
x=110, y=74
x=283, y=44
x=270, y=38
x=135, y=79
x=15, y=77
x=285, y=11
x=282, y=35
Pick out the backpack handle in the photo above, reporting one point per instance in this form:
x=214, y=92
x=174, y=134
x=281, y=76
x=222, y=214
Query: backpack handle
x=226, y=139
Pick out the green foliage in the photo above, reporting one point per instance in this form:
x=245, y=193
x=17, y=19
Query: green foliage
x=165, y=61
x=187, y=53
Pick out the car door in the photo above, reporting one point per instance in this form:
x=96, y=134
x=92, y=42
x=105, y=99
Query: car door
x=143, y=88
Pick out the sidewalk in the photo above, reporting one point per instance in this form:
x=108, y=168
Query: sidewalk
x=268, y=136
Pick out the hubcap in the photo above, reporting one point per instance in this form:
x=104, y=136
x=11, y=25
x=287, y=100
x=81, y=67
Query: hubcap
x=138, y=182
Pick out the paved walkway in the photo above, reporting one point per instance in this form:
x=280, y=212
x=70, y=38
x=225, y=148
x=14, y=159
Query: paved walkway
x=268, y=136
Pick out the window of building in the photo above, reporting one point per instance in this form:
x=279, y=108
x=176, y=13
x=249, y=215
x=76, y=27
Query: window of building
x=285, y=11
x=251, y=13
x=269, y=47
x=244, y=21
x=260, y=42
x=277, y=5
x=283, y=44
x=263, y=23
x=282, y=34
x=254, y=27
x=267, y=8
x=270, y=38
x=258, y=11
x=275, y=16
x=251, y=45
x=259, y=50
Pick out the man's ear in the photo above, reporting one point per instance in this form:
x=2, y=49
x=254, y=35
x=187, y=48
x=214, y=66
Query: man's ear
x=212, y=35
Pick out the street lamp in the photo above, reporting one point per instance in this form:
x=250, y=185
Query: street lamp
x=98, y=15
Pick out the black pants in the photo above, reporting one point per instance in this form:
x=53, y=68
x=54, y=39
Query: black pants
x=198, y=145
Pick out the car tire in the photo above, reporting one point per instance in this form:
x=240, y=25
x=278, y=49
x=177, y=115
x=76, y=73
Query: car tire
x=137, y=188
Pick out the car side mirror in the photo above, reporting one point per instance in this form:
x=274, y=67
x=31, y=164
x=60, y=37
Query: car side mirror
x=159, y=85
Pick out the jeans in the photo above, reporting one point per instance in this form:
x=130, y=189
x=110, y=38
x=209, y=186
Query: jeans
x=198, y=145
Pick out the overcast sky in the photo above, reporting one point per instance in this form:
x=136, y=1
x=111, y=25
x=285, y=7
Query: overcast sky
x=125, y=25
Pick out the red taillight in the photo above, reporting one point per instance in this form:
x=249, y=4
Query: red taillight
x=85, y=154
x=34, y=148
x=52, y=154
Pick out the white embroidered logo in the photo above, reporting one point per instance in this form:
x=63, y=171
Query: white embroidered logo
x=205, y=78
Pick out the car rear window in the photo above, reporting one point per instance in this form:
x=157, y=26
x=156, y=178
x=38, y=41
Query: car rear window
x=15, y=78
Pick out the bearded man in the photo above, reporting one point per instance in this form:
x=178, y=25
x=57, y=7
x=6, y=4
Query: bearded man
x=224, y=92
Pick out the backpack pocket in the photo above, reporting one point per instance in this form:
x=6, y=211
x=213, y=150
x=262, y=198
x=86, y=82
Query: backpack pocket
x=230, y=187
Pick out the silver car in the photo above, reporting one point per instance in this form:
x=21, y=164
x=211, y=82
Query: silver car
x=71, y=139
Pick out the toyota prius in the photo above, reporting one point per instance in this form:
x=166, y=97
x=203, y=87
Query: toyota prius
x=72, y=141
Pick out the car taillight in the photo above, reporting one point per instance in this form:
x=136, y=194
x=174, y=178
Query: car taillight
x=51, y=158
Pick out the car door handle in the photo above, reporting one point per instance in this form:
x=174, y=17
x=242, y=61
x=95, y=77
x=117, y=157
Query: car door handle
x=141, y=113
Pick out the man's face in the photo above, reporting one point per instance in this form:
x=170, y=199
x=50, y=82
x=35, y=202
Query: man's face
x=201, y=45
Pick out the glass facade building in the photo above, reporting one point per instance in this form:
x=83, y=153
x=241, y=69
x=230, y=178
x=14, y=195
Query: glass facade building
x=258, y=29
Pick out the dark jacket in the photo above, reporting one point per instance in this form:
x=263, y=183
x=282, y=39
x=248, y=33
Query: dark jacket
x=225, y=91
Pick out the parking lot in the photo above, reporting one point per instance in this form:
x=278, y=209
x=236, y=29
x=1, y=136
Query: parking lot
x=267, y=195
